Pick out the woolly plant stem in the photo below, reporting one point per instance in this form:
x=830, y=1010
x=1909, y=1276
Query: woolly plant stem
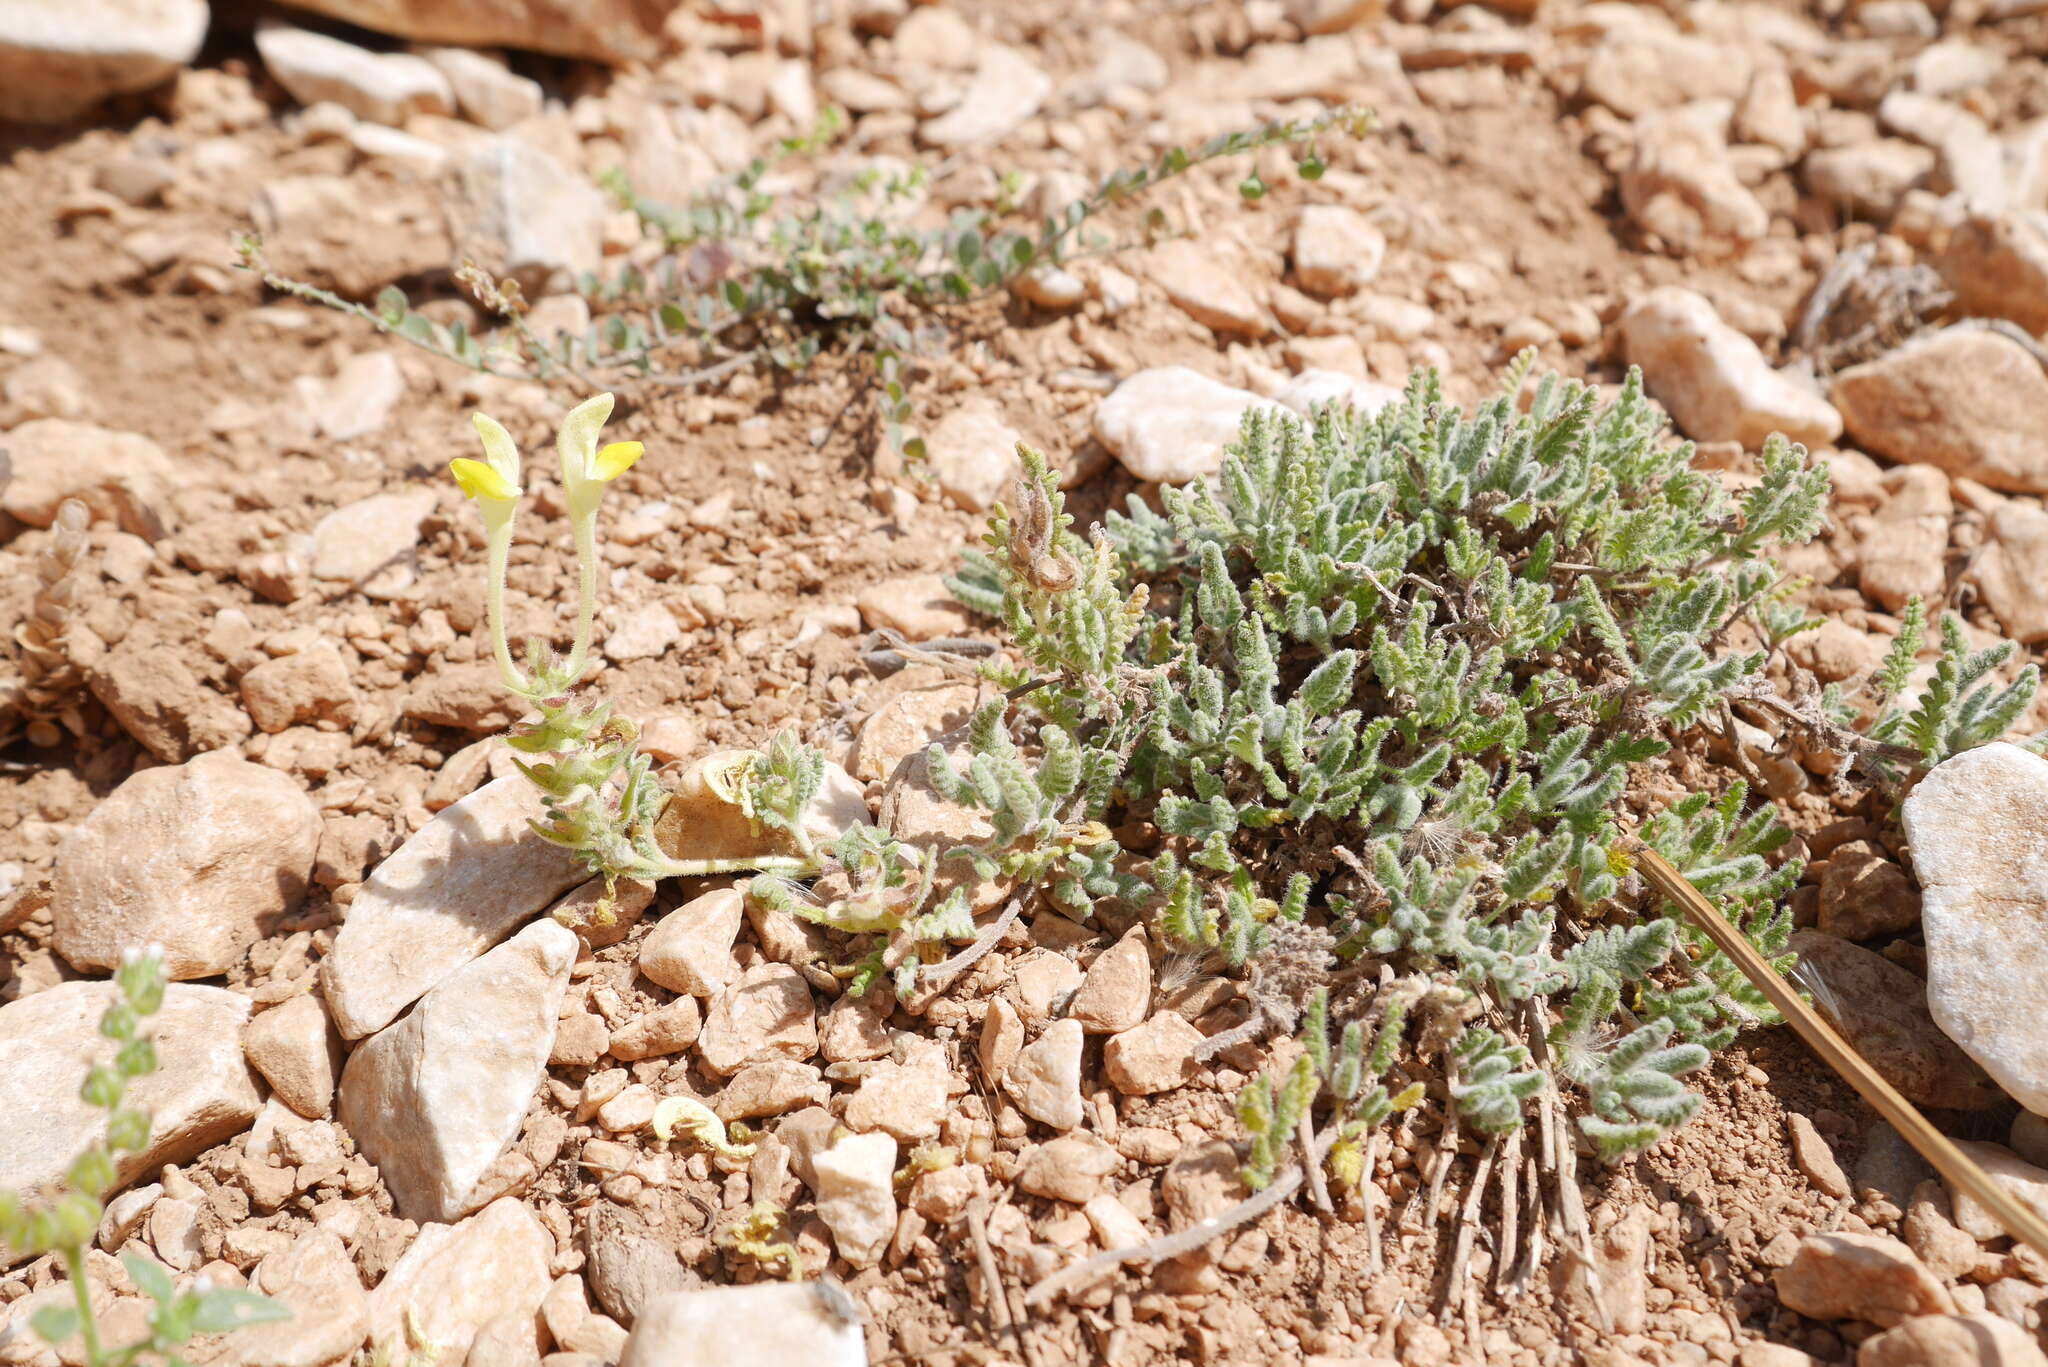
x=500, y=551
x=585, y=532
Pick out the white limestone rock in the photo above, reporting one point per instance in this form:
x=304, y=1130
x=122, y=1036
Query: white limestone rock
x=1045, y=1081
x=383, y=87
x=434, y=1100
x=455, y=1279
x=372, y=543
x=1715, y=382
x=1336, y=250
x=857, y=1194
x=487, y=93
x=59, y=60
x=1170, y=424
x=1007, y=88
x=200, y=858
x=1977, y=826
x=690, y=949
x=457, y=887
x=769, y=1324
x=973, y=453
x=201, y=1093
x=1313, y=389
x=520, y=212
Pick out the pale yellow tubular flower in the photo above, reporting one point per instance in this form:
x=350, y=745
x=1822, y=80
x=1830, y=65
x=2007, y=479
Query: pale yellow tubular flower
x=586, y=470
x=493, y=485
x=493, y=482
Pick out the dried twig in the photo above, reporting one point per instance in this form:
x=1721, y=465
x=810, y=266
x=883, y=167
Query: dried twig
x=1504, y=1261
x=1532, y=1223
x=1574, y=1231
x=992, y=1279
x=1318, y=1186
x=1372, y=1210
x=1245, y=1031
x=1953, y=1164
x=946, y=972
x=1458, y=1285
x=1177, y=1244
x=1737, y=755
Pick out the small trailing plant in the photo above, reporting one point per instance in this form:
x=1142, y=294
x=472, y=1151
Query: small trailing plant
x=598, y=793
x=743, y=280
x=67, y=1224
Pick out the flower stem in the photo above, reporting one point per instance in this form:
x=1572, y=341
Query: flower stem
x=500, y=543
x=585, y=531
x=81, y=1289
x=655, y=866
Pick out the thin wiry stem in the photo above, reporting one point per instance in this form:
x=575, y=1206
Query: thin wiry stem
x=585, y=532
x=1165, y=1246
x=500, y=548
x=81, y=1290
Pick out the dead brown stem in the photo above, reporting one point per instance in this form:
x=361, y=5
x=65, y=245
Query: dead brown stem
x=1177, y=1244
x=1457, y=1283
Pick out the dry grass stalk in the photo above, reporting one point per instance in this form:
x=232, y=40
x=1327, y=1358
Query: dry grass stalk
x=1951, y=1162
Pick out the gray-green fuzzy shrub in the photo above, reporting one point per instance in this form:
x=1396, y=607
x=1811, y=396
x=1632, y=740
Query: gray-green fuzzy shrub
x=1397, y=676
x=1376, y=700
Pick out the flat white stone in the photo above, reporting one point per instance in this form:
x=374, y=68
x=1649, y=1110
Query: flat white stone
x=370, y=537
x=383, y=87
x=1977, y=825
x=857, y=1195
x=1314, y=388
x=1170, y=424
x=1715, y=382
x=770, y=1324
x=455, y=1279
x=58, y=60
x=459, y=886
x=201, y=858
x=436, y=1099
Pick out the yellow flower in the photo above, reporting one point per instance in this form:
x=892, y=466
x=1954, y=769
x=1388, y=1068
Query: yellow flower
x=493, y=481
x=616, y=458
x=479, y=480
x=587, y=467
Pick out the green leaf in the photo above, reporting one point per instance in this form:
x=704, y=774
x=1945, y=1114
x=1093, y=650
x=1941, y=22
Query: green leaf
x=55, y=1323
x=149, y=1275
x=229, y=1308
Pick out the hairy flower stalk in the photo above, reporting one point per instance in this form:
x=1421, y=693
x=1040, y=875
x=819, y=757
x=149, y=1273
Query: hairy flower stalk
x=493, y=484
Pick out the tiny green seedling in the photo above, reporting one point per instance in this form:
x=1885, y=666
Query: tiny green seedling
x=67, y=1225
